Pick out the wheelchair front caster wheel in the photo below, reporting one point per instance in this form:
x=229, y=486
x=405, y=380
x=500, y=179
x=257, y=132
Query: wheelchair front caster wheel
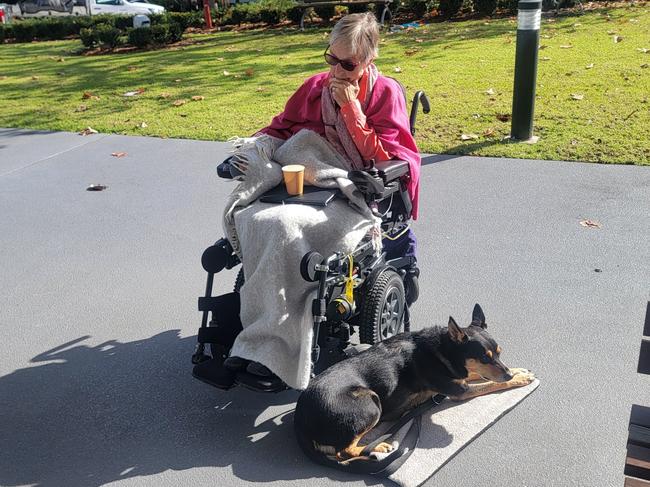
x=308, y=266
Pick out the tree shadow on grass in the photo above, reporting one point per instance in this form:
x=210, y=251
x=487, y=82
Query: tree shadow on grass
x=82, y=415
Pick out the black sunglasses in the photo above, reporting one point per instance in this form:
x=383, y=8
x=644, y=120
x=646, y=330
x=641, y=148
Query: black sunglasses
x=333, y=61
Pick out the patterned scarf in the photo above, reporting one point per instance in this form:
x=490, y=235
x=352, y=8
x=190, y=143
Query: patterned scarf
x=336, y=131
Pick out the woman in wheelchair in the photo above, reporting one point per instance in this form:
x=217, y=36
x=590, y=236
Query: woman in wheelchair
x=347, y=124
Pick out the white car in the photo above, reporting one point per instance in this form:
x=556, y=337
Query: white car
x=124, y=7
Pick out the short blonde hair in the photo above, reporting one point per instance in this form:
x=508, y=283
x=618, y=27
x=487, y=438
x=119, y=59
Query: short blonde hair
x=361, y=31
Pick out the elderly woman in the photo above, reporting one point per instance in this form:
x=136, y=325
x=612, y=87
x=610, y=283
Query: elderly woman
x=349, y=116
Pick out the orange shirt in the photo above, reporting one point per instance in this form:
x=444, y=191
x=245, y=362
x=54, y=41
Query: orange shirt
x=364, y=137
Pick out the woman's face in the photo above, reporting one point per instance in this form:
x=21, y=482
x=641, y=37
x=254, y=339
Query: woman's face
x=344, y=53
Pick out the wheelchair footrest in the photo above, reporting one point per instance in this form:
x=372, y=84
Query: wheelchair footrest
x=213, y=372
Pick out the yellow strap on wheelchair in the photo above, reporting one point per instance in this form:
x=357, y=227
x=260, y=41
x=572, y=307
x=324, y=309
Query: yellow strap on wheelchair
x=349, y=282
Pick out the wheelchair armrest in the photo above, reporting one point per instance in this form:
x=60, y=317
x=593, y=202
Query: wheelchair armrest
x=226, y=170
x=391, y=170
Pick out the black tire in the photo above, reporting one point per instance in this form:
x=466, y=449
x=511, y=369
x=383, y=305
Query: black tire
x=239, y=281
x=382, y=314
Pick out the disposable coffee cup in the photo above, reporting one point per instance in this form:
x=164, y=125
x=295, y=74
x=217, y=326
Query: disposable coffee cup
x=294, y=176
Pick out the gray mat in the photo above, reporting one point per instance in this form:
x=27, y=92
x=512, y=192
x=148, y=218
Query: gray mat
x=449, y=428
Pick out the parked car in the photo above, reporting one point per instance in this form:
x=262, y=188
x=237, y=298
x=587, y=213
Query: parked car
x=43, y=8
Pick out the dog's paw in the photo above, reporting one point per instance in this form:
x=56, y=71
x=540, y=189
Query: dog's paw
x=383, y=448
x=521, y=378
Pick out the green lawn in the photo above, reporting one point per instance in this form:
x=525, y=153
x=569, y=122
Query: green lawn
x=246, y=77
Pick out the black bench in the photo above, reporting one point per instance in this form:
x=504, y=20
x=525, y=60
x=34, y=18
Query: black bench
x=305, y=5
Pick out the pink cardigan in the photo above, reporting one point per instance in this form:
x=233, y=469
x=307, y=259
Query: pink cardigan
x=386, y=114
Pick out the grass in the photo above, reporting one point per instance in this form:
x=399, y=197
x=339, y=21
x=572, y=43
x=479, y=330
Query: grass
x=245, y=78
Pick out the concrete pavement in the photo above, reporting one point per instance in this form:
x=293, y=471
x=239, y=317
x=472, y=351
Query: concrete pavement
x=98, y=312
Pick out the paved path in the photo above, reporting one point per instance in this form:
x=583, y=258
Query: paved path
x=98, y=311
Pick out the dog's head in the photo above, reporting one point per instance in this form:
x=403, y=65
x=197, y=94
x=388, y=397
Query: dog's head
x=478, y=349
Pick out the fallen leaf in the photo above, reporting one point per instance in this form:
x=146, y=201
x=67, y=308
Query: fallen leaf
x=249, y=72
x=89, y=96
x=220, y=59
x=574, y=142
x=489, y=132
x=590, y=224
x=611, y=32
x=143, y=125
x=617, y=39
x=96, y=187
x=118, y=154
x=183, y=115
x=546, y=58
x=198, y=98
x=60, y=60
x=577, y=96
x=226, y=73
x=60, y=73
x=643, y=50
x=418, y=40
x=164, y=95
x=423, y=65
x=132, y=68
x=577, y=25
x=81, y=108
x=88, y=131
x=489, y=91
x=261, y=88
x=178, y=80
x=589, y=66
x=411, y=51
x=397, y=69
x=645, y=65
x=34, y=78
x=542, y=47
x=468, y=137
x=566, y=46
x=178, y=103
x=503, y=117
x=137, y=92
x=476, y=115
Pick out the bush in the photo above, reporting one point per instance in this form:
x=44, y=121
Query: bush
x=246, y=12
x=294, y=14
x=419, y=7
x=188, y=19
x=175, y=32
x=103, y=19
x=88, y=37
x=140, y=37
x=24, y=31
x=508, y=5
x=108, y=35
x=271, y=15
x=2, y=33
x=55, y=28
x=484, y=7
x=123, y=22
x=449, y=8
x=325, y=12
x=358, y=8
x=160, y=33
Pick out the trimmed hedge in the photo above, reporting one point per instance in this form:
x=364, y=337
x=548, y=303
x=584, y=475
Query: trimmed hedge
x=88, y=37
x=108, y=35
x=449, y=8
x=484, y=7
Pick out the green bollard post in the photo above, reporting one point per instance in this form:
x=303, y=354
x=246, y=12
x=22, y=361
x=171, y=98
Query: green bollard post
x=523, y=100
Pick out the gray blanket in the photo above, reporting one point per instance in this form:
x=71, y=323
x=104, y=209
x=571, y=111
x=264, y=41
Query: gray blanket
x=272, y=239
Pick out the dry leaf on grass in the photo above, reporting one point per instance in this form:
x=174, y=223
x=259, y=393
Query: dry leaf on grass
x=164, y=95
x=260, y=89
x=81, y=108
x=118, y=154
x=137, y=92
x=96, y=187
x=566, y=46
x=411, y=51
x=226, y=73
x=132, y=68
x=220, y=59
x=178, y=80
x=88, y=131
x=589, y=66
x=590, y=224
x=178, y=103
x=643, y=50
x=397, y=69
x=617, y=39
x=3, y=77
x=35, y=78
x=89, y=96
x=143, y=125
x=60, y=60
x=489, y=132
x=249, y=72
x=577, y=96
x=546, y=58
x=645, y=65
x=468, y=137
x=503, y=117
x=418, y=40
x=490, y=91
x=198, y=98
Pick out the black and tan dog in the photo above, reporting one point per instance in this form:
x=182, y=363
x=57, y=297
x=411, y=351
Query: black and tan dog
x=347, y=400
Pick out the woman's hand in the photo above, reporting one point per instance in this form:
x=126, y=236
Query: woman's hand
x=343, y=91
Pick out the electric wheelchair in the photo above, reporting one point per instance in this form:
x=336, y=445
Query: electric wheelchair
x=361, y=292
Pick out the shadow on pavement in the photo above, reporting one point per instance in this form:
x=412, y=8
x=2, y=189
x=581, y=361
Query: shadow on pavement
x=90, y=415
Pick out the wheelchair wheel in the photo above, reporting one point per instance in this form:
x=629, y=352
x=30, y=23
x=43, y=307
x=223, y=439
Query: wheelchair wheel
x=382, y=314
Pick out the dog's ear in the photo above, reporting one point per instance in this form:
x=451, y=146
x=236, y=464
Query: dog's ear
x=455, y=333
x=478, y=318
